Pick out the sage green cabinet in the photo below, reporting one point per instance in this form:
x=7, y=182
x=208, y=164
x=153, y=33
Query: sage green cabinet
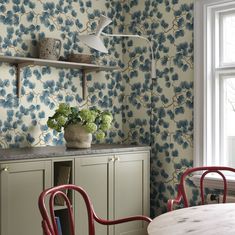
x=94, y=175
x=20, y=185
x=118, y=186
x=131, y=191
x=117, y=182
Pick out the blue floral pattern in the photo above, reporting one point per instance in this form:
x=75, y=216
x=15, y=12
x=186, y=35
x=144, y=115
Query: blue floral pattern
x=165, y=103
x=146, y=111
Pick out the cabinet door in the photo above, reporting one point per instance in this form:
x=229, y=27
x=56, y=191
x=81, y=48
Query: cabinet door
x=21, y=184
x=131, y=191
x=95, y=175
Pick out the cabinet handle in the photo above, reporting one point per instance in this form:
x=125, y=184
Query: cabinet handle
x=116, y=159
x=111, y=159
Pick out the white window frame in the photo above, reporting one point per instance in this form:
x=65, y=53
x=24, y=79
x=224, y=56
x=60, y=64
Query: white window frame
x=205, y=68
x=221, y=64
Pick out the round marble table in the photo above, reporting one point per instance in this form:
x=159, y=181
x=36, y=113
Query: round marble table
x=214, y=219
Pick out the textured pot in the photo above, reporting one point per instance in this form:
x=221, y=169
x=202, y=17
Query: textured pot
x=77, y=137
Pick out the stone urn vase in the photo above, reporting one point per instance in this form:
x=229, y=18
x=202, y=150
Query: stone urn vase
x=77, y=137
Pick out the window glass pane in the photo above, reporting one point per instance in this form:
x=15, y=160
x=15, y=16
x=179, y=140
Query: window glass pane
x=229, y=121
x=229, y=38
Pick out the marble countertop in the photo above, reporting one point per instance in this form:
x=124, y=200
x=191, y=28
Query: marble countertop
x=61, y=151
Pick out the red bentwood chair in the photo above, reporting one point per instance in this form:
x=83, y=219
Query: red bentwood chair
x=48, y=217
x=181, y=196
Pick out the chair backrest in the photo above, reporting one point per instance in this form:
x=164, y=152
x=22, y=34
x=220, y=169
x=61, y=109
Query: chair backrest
x=205, y=170
x=49, y=224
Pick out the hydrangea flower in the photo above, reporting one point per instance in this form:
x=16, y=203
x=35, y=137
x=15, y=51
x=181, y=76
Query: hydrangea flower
x=94, y=120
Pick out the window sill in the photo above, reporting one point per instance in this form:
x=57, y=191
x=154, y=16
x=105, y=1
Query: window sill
x=215, y=182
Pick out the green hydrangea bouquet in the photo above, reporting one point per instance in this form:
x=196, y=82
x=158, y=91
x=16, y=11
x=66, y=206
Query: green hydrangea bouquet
x=93, y=120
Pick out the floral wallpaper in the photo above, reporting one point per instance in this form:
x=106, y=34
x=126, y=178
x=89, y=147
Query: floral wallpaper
x=23, y=24
x=147, y=111
x=168, y=100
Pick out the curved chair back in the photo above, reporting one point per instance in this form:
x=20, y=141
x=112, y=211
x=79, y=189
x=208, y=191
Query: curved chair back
x=49, y=224
x=182, y=197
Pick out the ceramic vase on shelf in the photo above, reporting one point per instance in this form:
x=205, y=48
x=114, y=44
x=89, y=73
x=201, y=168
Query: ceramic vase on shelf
x=49, y=48
x=77, y=137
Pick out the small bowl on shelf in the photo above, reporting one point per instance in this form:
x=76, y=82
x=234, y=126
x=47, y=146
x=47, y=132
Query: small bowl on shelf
x=81, y=58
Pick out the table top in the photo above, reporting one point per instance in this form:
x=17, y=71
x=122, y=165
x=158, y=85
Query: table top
x=213, y=219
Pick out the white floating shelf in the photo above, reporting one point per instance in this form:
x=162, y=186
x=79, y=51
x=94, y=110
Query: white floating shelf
x=20, y=62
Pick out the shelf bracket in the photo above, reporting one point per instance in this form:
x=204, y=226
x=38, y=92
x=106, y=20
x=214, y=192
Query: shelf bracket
x=18, y=80
x=84, y=84
x=18, y=67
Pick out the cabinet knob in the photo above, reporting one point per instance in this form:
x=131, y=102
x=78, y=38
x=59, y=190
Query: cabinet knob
x=111, y=159
x=6, y=169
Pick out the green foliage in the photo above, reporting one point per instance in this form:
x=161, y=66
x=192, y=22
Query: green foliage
x=94, y=120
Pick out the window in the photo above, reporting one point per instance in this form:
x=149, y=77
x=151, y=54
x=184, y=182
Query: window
x=227, y=31
x=214, y=103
